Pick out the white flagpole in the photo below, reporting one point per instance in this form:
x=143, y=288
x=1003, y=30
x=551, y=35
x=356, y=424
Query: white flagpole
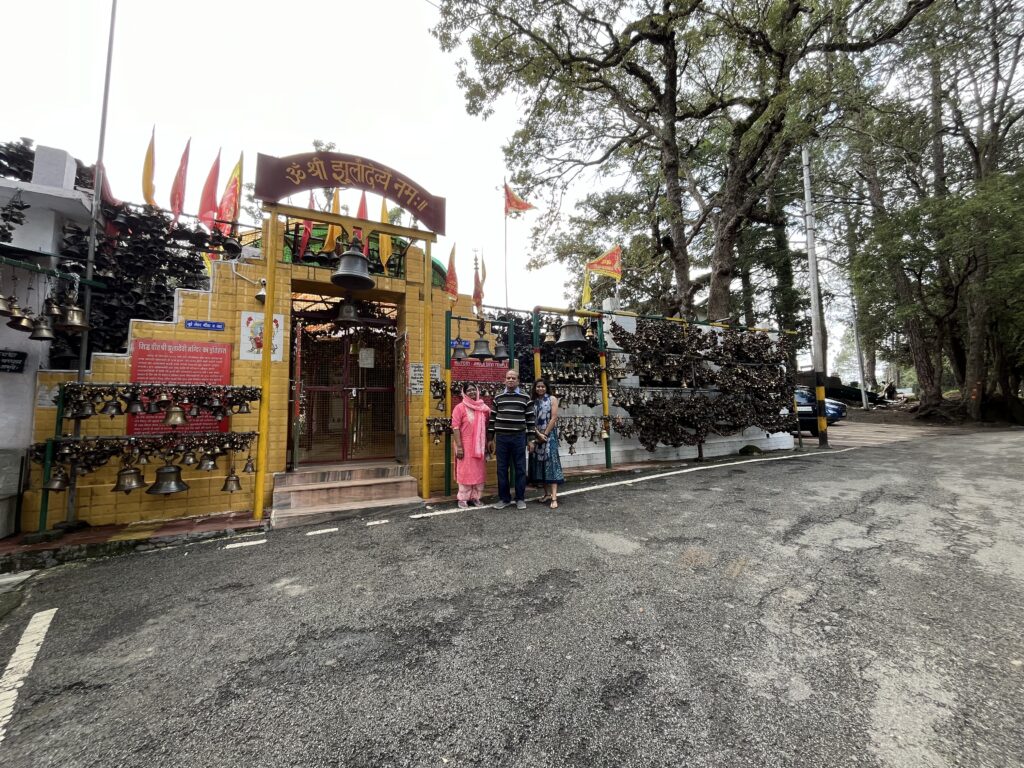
x=504, y=195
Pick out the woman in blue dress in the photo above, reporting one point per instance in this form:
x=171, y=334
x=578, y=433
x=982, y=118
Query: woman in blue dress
x=545, y=468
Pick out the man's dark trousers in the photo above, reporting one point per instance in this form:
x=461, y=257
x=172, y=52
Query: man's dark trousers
x=511, y=449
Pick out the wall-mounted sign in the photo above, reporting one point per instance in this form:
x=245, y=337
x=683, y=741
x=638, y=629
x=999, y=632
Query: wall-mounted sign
x=204, y=325
x=415, y=377
x=456, y=343
x=157, y=361
x=12, y=361
x=251, y=341
x=479, y=370
x=278, y=177
x=366, y=357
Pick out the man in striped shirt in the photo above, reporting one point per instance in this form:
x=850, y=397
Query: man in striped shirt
x=510, y=434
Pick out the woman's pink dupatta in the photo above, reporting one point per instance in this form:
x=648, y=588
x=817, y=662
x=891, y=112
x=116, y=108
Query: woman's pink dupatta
x=476, y=416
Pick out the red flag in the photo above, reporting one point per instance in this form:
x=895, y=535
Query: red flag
x=208, y=200
x=230, y=199
x=514, y=202
x=451, y=281
x=361, y=213
x=178, y=187
x=307, y=231
x=608, y=264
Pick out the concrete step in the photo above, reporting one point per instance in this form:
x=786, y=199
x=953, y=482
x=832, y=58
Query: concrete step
x=287, y=518
x=343, y=492
x=340, y=473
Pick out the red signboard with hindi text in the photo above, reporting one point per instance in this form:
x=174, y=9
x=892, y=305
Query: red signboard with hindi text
x=160, y=361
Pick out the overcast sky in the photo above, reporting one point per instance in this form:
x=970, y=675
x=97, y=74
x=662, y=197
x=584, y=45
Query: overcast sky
x=254, y=77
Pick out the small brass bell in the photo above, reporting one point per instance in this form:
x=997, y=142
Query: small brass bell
x=53, y=310
x=41, y=330
x=231, y=246
x=193, y=411
x=353, y=270
x=86, y=410
x=58, y=481
x=163, y=400
x=113, y=408
x=347, y=313
x=135, y=406
x=13, y=308
x=460, y=351
x=5, y=306
x=208, y=463
x=250, y=466
x=152, y=407
x=571, y=335
x=243, y=408
x=500, y=351
x=128, y=480
x=590, y=333
x=189, y=459
x=481, y=349
x=21, y=322
x=168, y=480
x=73, y=320
x=231, y=482
x=175, y=417
x=549, y=337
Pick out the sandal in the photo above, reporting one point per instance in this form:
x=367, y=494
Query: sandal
x=543, y=499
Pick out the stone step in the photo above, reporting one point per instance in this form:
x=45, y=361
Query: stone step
x=287, y=518
x=344, y=491
x=340, y=473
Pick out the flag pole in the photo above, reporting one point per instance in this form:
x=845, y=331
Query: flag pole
x=504, y=186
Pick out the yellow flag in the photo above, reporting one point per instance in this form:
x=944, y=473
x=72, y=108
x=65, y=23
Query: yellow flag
x=148, y=165
x=384, y=240
x=586, y=289
x=333, y=231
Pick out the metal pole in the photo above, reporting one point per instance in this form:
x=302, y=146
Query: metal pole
x=447, y=401
x=428, y=290
x=817, y=337
x=604, y=394
x=504, y=186
x=860, y=357
x=90, y=259
x=536, y=345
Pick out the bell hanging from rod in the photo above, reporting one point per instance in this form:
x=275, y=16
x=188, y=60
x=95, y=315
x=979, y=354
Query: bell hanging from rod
x=168, y=481
x=58, y=481
x=174, y=417
x=232, y=482
x=5, y=306
x=500, y=352
x=129, y=479
x=41, y=330
x=571, y=335
x=481, y=349
x=353, y=270
x=73, y=320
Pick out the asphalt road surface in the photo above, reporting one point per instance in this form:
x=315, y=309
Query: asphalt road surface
x=859, y=607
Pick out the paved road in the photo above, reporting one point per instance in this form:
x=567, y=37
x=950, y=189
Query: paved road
x=851, y=608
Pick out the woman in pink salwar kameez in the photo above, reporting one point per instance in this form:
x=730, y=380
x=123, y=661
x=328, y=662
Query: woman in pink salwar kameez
x=469, y=430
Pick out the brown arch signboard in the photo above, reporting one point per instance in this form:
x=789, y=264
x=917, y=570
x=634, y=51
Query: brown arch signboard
x=278, y=177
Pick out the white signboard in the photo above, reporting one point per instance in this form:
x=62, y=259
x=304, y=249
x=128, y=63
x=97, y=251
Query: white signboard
x=366, y=357
x=416, y=376
x=250, y=346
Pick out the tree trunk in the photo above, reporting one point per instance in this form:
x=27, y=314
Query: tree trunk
x=723, y=261
x=673, y=189
x=870, y=362
x=786, y=296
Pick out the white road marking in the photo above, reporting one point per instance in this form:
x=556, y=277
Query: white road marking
x=321, y=530
x=658, y=476
x=244, y=544
x=377, y=522
x=20, y=664
x=9, y=581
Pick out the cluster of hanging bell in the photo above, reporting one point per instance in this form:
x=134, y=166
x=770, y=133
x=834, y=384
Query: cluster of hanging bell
x=168, y=477
x=481, y=348
x=70, y=319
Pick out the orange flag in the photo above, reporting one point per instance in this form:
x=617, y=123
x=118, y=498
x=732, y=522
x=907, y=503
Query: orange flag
x=361, y=213
x=451, y=281
x=307, y=232
x=208, y=199
x=148, y=167
x=178, y=187
x=608, y=264
x=514, y=202
x=230, y=200
x=383, y=240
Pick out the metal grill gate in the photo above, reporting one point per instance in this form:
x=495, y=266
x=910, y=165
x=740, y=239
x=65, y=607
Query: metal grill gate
x=346, y=395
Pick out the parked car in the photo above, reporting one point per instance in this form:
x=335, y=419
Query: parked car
x=807, y=410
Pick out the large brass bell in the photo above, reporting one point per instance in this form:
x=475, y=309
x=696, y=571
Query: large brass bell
x=231, y=483
x=168, y=480
x=128, y=480
x=20, y=321
x=174, y=417
x=112, y=408
x=73, y=320
x=500, y=351
x=353, y=270
x=571, y=335
x=5, y=306
x=41, y=330
x=481, y=349
x=58, y=481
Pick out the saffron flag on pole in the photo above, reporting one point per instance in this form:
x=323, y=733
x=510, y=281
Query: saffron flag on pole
x=514, y=202
x=333, y=230
x=478, y=291
x=148, y=168
x=178, y=187
x=208, y=199
x=384, y=240
x=608, y=264
x=362, y=214
x=230, y=200
x=586, y=289
x=451, y=280
x=307, y=232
